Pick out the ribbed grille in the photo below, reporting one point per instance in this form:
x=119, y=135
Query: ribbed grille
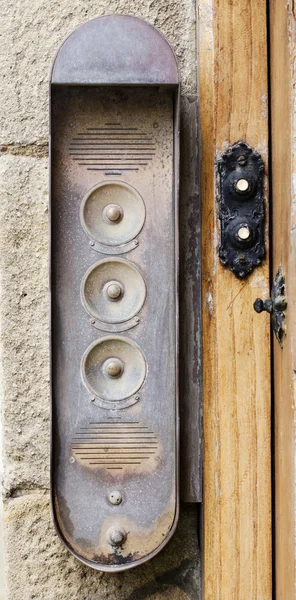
x=114, y=445
x=112, y=148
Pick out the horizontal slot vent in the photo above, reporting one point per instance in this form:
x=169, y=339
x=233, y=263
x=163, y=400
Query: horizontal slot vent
x=114, y=446
x=112, y=149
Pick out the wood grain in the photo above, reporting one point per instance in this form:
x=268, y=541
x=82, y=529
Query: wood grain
x=236, y=341
x=282, y=51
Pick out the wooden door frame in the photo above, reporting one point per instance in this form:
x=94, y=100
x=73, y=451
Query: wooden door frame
x=283, y=168
x=233, y=83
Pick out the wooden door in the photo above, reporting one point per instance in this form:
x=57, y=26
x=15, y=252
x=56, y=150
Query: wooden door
x=232, y=39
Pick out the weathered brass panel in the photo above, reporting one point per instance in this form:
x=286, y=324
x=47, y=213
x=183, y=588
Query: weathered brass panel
x=114, y=269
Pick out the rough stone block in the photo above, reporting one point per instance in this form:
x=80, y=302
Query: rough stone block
x=32, y=31
x=40, y=568
x=24, y=309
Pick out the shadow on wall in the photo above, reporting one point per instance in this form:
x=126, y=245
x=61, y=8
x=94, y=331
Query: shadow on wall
x=2, y=594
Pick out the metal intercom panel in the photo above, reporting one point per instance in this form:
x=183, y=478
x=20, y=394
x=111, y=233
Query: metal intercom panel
x=114, y=274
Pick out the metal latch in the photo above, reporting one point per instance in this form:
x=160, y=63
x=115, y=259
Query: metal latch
x=275, y=306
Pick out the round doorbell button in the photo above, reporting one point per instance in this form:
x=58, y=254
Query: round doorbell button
x=112, y=213
x=113, y=368
x=113, y=291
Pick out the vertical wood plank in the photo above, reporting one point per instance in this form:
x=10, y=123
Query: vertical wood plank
x=236, y=341
x=282, y=58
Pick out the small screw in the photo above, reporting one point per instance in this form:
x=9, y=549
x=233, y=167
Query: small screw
x=92, y=398
x=242, y=160
x=115, y=497
x=242, y=259
x=93, y=321
x=136, y=242
x=137, y=319
x=91, y=243
x=137, y=397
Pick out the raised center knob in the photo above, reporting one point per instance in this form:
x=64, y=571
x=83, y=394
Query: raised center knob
x=114, y=368
x=113, y=212
x=116, y=536
x=114, y=291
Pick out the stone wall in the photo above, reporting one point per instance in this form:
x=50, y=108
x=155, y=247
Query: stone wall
x=37, y=565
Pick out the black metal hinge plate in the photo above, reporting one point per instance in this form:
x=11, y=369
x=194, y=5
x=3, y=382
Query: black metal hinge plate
x=276, y=306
